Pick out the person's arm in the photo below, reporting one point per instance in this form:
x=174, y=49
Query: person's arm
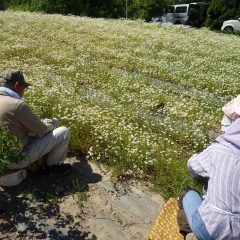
x=31, y=122
x=200, y=165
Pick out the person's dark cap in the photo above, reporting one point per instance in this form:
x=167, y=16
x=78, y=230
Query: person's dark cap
x=13, y=76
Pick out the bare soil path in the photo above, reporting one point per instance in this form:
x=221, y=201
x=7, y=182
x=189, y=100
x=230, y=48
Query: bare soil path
x=58, y=208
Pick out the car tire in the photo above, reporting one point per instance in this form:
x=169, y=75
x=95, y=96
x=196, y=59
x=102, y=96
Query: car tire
x=228, y=29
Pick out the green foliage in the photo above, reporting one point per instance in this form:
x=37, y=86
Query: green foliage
x=186, y=1
x=49, y=6
x=221, y=10
x=47, y=196
x=9, y=149
x=79, y=193
x=173, y=177
x=144, y=9
x=103, y=8
x=3, y=4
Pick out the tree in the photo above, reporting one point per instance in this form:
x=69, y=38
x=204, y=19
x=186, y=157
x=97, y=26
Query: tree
x=186, y=1
x=3, y=4
x=221, y=10
x=143, y=9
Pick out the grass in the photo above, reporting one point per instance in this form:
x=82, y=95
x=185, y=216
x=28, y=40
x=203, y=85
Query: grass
x=79, y=193
x=47, y=196
x=105, y=78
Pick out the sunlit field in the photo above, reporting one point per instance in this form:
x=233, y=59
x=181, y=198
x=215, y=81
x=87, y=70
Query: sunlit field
x=140, y=97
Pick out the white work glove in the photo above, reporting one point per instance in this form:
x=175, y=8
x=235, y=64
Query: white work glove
x=55, y=122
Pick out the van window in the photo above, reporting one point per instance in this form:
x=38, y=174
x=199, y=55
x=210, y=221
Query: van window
x=181, y=9
x=169, y=9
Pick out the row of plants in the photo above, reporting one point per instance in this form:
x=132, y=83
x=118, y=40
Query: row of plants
x=140, y=97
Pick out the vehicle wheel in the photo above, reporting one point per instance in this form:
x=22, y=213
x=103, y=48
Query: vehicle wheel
x=228, y=29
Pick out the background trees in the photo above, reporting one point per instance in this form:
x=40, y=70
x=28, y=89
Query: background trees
x=3, y=4
x=218, y=11
x=221, y=10
x=143, y=9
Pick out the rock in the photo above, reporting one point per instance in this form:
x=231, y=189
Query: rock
x=21, y=227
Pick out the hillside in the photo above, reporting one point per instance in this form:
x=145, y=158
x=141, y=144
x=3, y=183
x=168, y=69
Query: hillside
x=138, y=97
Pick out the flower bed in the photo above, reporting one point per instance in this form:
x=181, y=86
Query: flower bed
x=104, y=79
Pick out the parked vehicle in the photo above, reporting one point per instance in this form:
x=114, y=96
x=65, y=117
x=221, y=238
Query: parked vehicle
x=176, y=14
x=156, y=19
x=191, y=14
x=231, y=25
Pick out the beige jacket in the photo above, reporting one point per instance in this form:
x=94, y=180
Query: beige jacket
x=19, y=119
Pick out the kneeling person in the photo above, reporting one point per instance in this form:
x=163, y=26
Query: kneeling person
x=39, y=138
x=217, y=216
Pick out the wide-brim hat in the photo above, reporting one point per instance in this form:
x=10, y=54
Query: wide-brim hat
x=13, y=76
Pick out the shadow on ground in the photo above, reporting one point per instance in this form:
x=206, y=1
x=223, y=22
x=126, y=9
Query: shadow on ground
x=31, y=209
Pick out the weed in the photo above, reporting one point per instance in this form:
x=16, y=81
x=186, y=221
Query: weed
x=49, y=197
x=78, y=191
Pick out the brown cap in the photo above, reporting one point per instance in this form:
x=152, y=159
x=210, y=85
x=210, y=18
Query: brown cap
x=13, y=76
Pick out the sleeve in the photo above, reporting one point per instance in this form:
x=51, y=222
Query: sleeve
x=31, y=122
x=226, y=122
x=200, y=165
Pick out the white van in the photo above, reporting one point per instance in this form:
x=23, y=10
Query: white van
x=193, y=14
x=176, y=14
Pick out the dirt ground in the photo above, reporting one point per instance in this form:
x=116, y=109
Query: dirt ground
x=59, y=208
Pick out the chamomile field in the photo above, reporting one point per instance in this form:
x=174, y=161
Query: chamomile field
x=139, y=97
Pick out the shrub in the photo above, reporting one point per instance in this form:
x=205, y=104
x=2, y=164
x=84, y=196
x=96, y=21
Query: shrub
x=9, y=149
x=48, y=6
x=221, y=10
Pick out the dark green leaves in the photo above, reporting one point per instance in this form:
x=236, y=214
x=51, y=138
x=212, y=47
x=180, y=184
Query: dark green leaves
x=10, y=149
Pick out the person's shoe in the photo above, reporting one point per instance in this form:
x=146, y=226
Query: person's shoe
x=56, y=170
x=191, y=236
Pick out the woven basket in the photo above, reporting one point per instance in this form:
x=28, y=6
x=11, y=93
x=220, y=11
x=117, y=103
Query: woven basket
x=166, y=226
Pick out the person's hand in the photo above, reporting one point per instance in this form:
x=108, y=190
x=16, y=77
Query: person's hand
x=56, y=122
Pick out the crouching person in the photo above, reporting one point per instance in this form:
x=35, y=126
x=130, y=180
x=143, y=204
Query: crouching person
x=217, y=216
x=39, y=138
